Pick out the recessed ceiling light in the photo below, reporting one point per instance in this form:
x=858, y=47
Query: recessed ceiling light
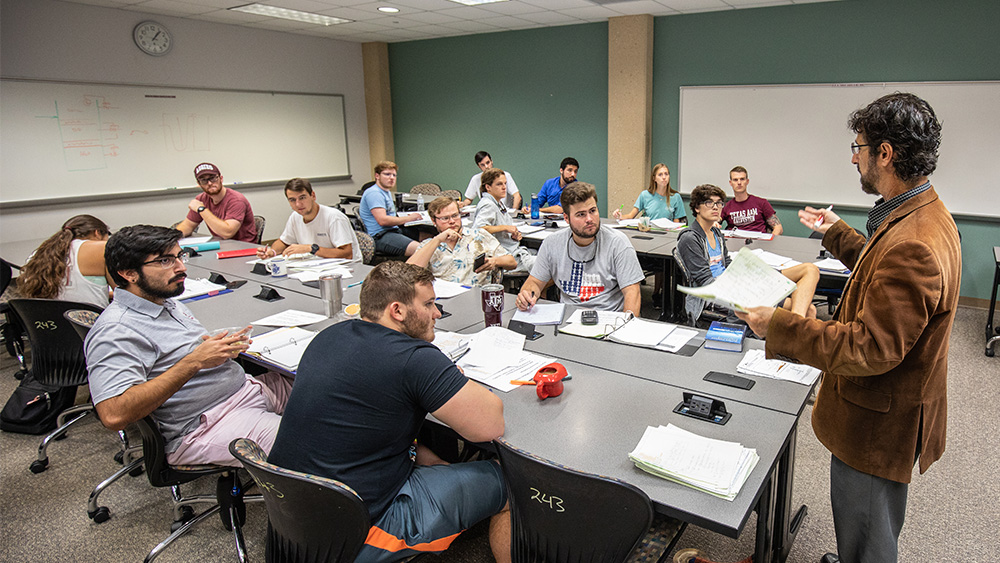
x=286, y=14
x=476, y=2
x=388, y=9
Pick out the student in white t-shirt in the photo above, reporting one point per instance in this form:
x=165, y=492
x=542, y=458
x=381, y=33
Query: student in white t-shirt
x=313, y=228
x=484, y=161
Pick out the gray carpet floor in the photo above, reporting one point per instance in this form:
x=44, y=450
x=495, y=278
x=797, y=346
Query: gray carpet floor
x=952, y=515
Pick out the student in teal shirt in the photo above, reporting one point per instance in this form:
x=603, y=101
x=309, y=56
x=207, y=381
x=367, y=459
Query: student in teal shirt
x=659, y=201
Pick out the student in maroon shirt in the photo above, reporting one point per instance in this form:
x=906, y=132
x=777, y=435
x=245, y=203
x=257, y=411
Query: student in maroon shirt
x=748, y=212
x=226, y=211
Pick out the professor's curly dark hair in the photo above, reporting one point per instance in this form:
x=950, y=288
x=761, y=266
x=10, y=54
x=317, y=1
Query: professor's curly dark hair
x=906, y=122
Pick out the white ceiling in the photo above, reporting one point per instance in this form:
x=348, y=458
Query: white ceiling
x=427, y=19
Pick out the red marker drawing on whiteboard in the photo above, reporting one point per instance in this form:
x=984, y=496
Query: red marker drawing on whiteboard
x=819, y=221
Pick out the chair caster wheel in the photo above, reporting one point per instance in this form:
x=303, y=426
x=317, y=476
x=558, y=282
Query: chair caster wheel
x=101, y=515
x=38, y=466
x=19, y=374
x=136, y=472
x=120, y=458
x=187, y=513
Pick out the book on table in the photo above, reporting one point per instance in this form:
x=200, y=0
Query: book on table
x=725, y=336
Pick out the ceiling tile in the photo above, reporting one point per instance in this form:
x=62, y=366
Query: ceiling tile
x=550, y=18
x=559, y=4
x=643, y=7
x=688, y=6
x=592, y=13
x=509, y=22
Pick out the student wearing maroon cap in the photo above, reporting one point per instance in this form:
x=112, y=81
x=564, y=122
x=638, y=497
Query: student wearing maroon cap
x=226, y=211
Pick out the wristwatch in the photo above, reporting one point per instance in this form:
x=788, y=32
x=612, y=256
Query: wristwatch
x=315, y=249
x=201, y=208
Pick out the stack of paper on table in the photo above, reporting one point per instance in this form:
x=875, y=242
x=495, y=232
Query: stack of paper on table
x=496, y=356
x=747, y=282
x=740, y=233
x=542, y=314
x=776, y=261
x=665, y=223
x=607, y=322
x=193, y=287
x=716, y=467
x=283, y=346
x=754, y=363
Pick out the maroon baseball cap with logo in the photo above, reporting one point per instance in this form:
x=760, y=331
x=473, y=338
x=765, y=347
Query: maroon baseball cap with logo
x=206, y=168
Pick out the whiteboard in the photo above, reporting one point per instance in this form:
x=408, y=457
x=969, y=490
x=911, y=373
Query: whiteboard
x=62, y=140
x=794, y=140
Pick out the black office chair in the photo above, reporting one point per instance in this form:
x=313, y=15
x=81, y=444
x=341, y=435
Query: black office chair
x=228, y=501
x=310, y=519
x=562, y=515
x=56, y=359
x=12, y=331
x=129, y=456
x=830, y=296
x=260, y=222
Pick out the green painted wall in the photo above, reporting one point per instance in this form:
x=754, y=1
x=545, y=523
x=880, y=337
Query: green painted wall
x=532, y=97
x=529, y=98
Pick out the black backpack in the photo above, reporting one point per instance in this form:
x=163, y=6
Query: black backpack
x=33, y=408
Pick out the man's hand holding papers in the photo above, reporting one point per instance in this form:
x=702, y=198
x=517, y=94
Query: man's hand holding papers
x=748, y=282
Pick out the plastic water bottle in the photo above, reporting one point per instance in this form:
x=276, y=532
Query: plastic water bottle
x=534, y=206
x=420, y=202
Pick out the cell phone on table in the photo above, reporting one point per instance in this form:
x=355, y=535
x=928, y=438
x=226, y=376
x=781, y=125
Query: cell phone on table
x=480, y=262
x=588, y=317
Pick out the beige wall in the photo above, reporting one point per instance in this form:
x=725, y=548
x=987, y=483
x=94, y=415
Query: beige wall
x=378, y=101
x=630, y=107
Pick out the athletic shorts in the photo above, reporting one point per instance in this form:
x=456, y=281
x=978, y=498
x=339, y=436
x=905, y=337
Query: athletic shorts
x=392, y=242
x=434, y=506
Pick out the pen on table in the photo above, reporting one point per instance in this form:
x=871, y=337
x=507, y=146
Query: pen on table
x=355, y=283
x=821, y=218
x=521, y=382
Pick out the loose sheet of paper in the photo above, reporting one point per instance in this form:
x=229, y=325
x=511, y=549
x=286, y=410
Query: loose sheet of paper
x=754, y=363
x=494, y=348
x=665, y=223
x=523, y=370
x=747, y=282
x=776, y=261
x=527, y=229
x=740, y=233
x=542, y=314
x=290, y=317
x=831, y=265
x=677, y=339
x=188, y=241
x=444, y=289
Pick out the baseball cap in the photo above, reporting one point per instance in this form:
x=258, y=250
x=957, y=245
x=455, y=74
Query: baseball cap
x=206, y=168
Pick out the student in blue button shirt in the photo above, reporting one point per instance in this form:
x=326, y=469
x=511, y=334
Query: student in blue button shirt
x=548, y=198
x=378, y=212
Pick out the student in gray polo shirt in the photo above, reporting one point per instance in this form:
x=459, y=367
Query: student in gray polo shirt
x=592, y=266
x=147, y=354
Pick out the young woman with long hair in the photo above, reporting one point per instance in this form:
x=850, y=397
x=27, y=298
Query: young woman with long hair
x=70, y=264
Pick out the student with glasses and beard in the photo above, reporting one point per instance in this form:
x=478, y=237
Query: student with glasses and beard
x=147, y=354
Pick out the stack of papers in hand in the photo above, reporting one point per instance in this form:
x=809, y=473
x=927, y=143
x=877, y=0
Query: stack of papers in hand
x=713, y=466
x=748, y=282
x=754, y=363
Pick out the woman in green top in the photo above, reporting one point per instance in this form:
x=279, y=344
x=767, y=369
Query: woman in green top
x=659, y=201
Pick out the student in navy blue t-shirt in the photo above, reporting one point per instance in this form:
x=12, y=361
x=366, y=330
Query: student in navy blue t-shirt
x=361, y=393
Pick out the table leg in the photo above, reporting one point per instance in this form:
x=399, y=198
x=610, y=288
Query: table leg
x=990, y=336
x=786, y=524
x=764, y=547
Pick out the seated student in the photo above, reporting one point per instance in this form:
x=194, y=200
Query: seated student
x=484, y=161
x=317, y=229
x=147, y=354
x=362, y=391
x=592, y=266
x=659, y=200
x=378, y=212
x=451, y=255
x=549, y=196
x=492, y=215
x=749, y=212
x=69, y=265
x=702, y=249
x=226, y=211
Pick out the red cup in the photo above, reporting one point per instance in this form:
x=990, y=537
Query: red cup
x=492, y=295
x=548, y=380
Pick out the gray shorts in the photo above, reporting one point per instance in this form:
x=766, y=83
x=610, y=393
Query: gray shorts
x=435, y=505
x=392, y=242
